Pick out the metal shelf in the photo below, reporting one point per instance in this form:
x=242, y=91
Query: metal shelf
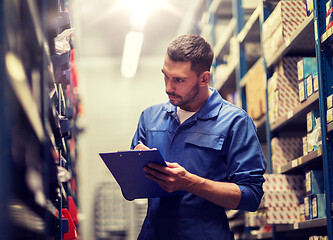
x=227, y=83
x=327, y=36
x=321, y=222
x=330, y=127
x=297, y=114
x=251, y=29
x=222, y=44
x=301, y=43
x=266, y=235
x=300, y=163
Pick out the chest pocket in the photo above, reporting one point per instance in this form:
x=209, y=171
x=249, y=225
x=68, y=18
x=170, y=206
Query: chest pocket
x=205, y=156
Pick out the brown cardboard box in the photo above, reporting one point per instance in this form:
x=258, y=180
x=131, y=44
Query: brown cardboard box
x=255, y=91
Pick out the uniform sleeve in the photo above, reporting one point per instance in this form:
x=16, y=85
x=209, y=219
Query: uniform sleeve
x=140, y=134
x=246, y=162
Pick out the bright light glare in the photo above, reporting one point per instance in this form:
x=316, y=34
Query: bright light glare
x=140, y=10
x=131, y=54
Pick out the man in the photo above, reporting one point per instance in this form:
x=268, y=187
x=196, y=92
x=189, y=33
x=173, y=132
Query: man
x=212, y=151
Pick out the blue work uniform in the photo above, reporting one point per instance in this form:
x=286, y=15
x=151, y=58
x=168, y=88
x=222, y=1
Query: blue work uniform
x=219, y=142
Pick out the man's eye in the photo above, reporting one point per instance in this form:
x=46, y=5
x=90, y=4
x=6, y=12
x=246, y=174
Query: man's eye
x=179, y=80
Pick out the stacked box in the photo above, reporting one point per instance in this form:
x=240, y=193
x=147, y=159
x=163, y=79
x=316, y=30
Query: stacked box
x=301, y=212
x=305, y=145
x=307, y=66
x=309, y=7
x=329, y=115
x=282, y=89
x=313, y=130
x=318, y=238
x=280, y=25
x=307, y=77
x=311, y=120
x=329, y=14
x=314, y=182
x=282, y=182
x=302, y=90
x=255, y=91
x=318, y=206
x=281, y=215
x=315, y=84
x=285, y=149
x=307, y=208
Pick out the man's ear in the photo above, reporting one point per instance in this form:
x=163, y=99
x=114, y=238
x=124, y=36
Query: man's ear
x=205, y=78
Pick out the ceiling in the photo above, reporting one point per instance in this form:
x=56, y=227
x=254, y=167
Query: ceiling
x=103, y=26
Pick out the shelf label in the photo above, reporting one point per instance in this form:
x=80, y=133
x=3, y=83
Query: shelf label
x=299, y=160
x=287, y=41
x=279, y=169
x=290, y=114
x=329, y=32
x=294, y=163
x=319, y=153
x=296, y=225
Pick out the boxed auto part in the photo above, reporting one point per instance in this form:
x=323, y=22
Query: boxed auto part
x=330, y=101
x=302, y=90
x=318, y=206
x=256, y=91
x=283, y=182
x=314, y=182
x=282, y=89
x=281, y=23
x=311, y=119
x=308, y=208
x=307, y=66
x=285, y=149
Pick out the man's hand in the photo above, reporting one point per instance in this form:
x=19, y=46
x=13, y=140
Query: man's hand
x=141, y=146
x=171, y=178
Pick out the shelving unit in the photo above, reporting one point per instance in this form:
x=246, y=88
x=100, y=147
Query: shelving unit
x=38, y=127
x=310, y=39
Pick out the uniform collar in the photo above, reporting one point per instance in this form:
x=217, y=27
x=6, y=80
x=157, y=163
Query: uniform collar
x=210, y=109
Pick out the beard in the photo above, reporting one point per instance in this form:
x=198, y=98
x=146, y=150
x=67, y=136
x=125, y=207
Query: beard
x=181, y=101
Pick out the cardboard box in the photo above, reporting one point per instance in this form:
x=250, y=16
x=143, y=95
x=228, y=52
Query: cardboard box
x=286, y=198
x=282, y=182
x=256, y=91
x=314, y=182
x=302, y=90
x=329, y=115
x=305, y=146
x=315, y=84
x=311, y=119
x=330, y=101
x=285, y=149
x=285, y=11
x=284, y=86
x=309, y=7
x=308, y=208
x=318, y=206
x=281, y=215
x=307, y=66
x=280, y=25
x=309, y=86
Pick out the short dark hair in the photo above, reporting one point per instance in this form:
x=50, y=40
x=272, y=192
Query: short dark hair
x=193, y=48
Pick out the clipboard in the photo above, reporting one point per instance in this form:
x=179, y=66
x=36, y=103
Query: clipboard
x=127, y=169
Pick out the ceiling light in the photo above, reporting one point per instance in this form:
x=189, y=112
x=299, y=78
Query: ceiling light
x=131, y=54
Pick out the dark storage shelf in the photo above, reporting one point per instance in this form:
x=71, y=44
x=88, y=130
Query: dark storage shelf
x=301, y=43
x=321, y=222
x=330, y=127
x=267, y=235
x=298, y=114
x=300, y=163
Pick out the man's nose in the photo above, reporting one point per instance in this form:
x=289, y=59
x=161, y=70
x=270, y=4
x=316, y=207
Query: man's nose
x=169, y=86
